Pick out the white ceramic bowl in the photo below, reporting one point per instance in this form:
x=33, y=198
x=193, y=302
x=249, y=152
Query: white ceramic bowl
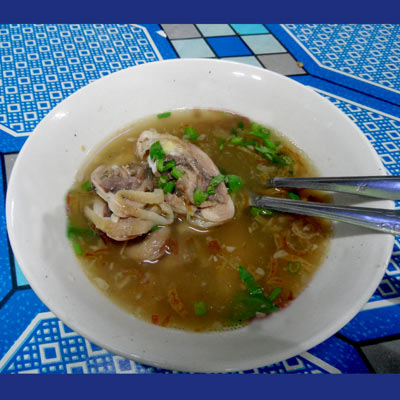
x=48, y=162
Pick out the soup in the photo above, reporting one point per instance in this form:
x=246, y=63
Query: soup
x=160, y=221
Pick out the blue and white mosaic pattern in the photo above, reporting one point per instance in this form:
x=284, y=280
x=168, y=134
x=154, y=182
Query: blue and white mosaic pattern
x=40, y=65
x=366, y=52
x=49, y=346
x=43, y=64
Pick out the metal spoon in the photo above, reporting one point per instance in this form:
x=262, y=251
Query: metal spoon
x=387, y=187
x=384, y=187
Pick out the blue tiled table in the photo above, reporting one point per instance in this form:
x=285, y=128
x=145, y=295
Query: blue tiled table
x=355, y=66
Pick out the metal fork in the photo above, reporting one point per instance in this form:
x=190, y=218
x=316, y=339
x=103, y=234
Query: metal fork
x=385, y=187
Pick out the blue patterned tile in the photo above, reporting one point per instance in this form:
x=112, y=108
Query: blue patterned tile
x=47, y=345
x=215, y=29
x=228, y=46
x=43, y=64
x=249, y=29
x=263, y=44
x=361, y=56
x=192, y=48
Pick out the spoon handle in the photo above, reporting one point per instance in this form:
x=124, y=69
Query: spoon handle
x=379, y=219
x=385, y=187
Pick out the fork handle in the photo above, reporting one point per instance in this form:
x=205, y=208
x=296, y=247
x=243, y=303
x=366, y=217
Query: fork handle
x=378, y=219
x=385, y=187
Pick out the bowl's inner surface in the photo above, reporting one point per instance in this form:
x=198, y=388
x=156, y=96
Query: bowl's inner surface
x=347, y=278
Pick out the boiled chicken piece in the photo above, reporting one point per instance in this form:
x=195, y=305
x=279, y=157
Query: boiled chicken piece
x=132, y=206
x=120, y=229
x=151, y=248
x=108, y=180
x=199, y=170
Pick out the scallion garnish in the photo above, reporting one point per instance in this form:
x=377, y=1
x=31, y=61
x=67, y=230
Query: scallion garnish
x=211, y=190
x=87, y=186
x=234, y=183
x=162, y=181
x=160, y=165
x=259, y=131
x=234, y=131
x=275, y=293
x=294, y=267
x=177, y=173
x=200, y=308
x=169, y=165
x=169, y=187
x=73, y=232
x=255, y=211
x=78, y=249
x=199, y=196
x=247, y=305
x=217, y=180
x=286, y=160
x=190, y=133
x=164, y=115
x=240, y=124
x=154, y=228
x=249, y=143
x=221, y=144
x=236, y=140
x=270, y=144
x=248, y=279
x=293, y=196
x=156, y=151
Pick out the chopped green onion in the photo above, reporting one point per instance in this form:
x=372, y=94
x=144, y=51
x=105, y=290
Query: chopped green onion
x=163, y=167
x=200, y=308
x=275, y=293
x=169, y=165
x=156, y=151
x=211, y=190
x=234, y=131
x=154, y=228
x=294, y=267
x=286, y=160
x=247, y=305
x=259, y=131
x=169, y=187
x=162, y=181
x=160, y=165
x=234, y=184
x=255, y=211
x=236, y=140
x=73, y=231
x=270, y=144
x=199, y=196
x=221, y=144
x=78, y=249
x=190, y=133
x=87, y=186
x=217, y=180
x=293, y=196
x=164, y=115
x=249, y=143
x=268, y=153
x=249, y=281
x=240, y=124
x=291, y=172
x=177, y=173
